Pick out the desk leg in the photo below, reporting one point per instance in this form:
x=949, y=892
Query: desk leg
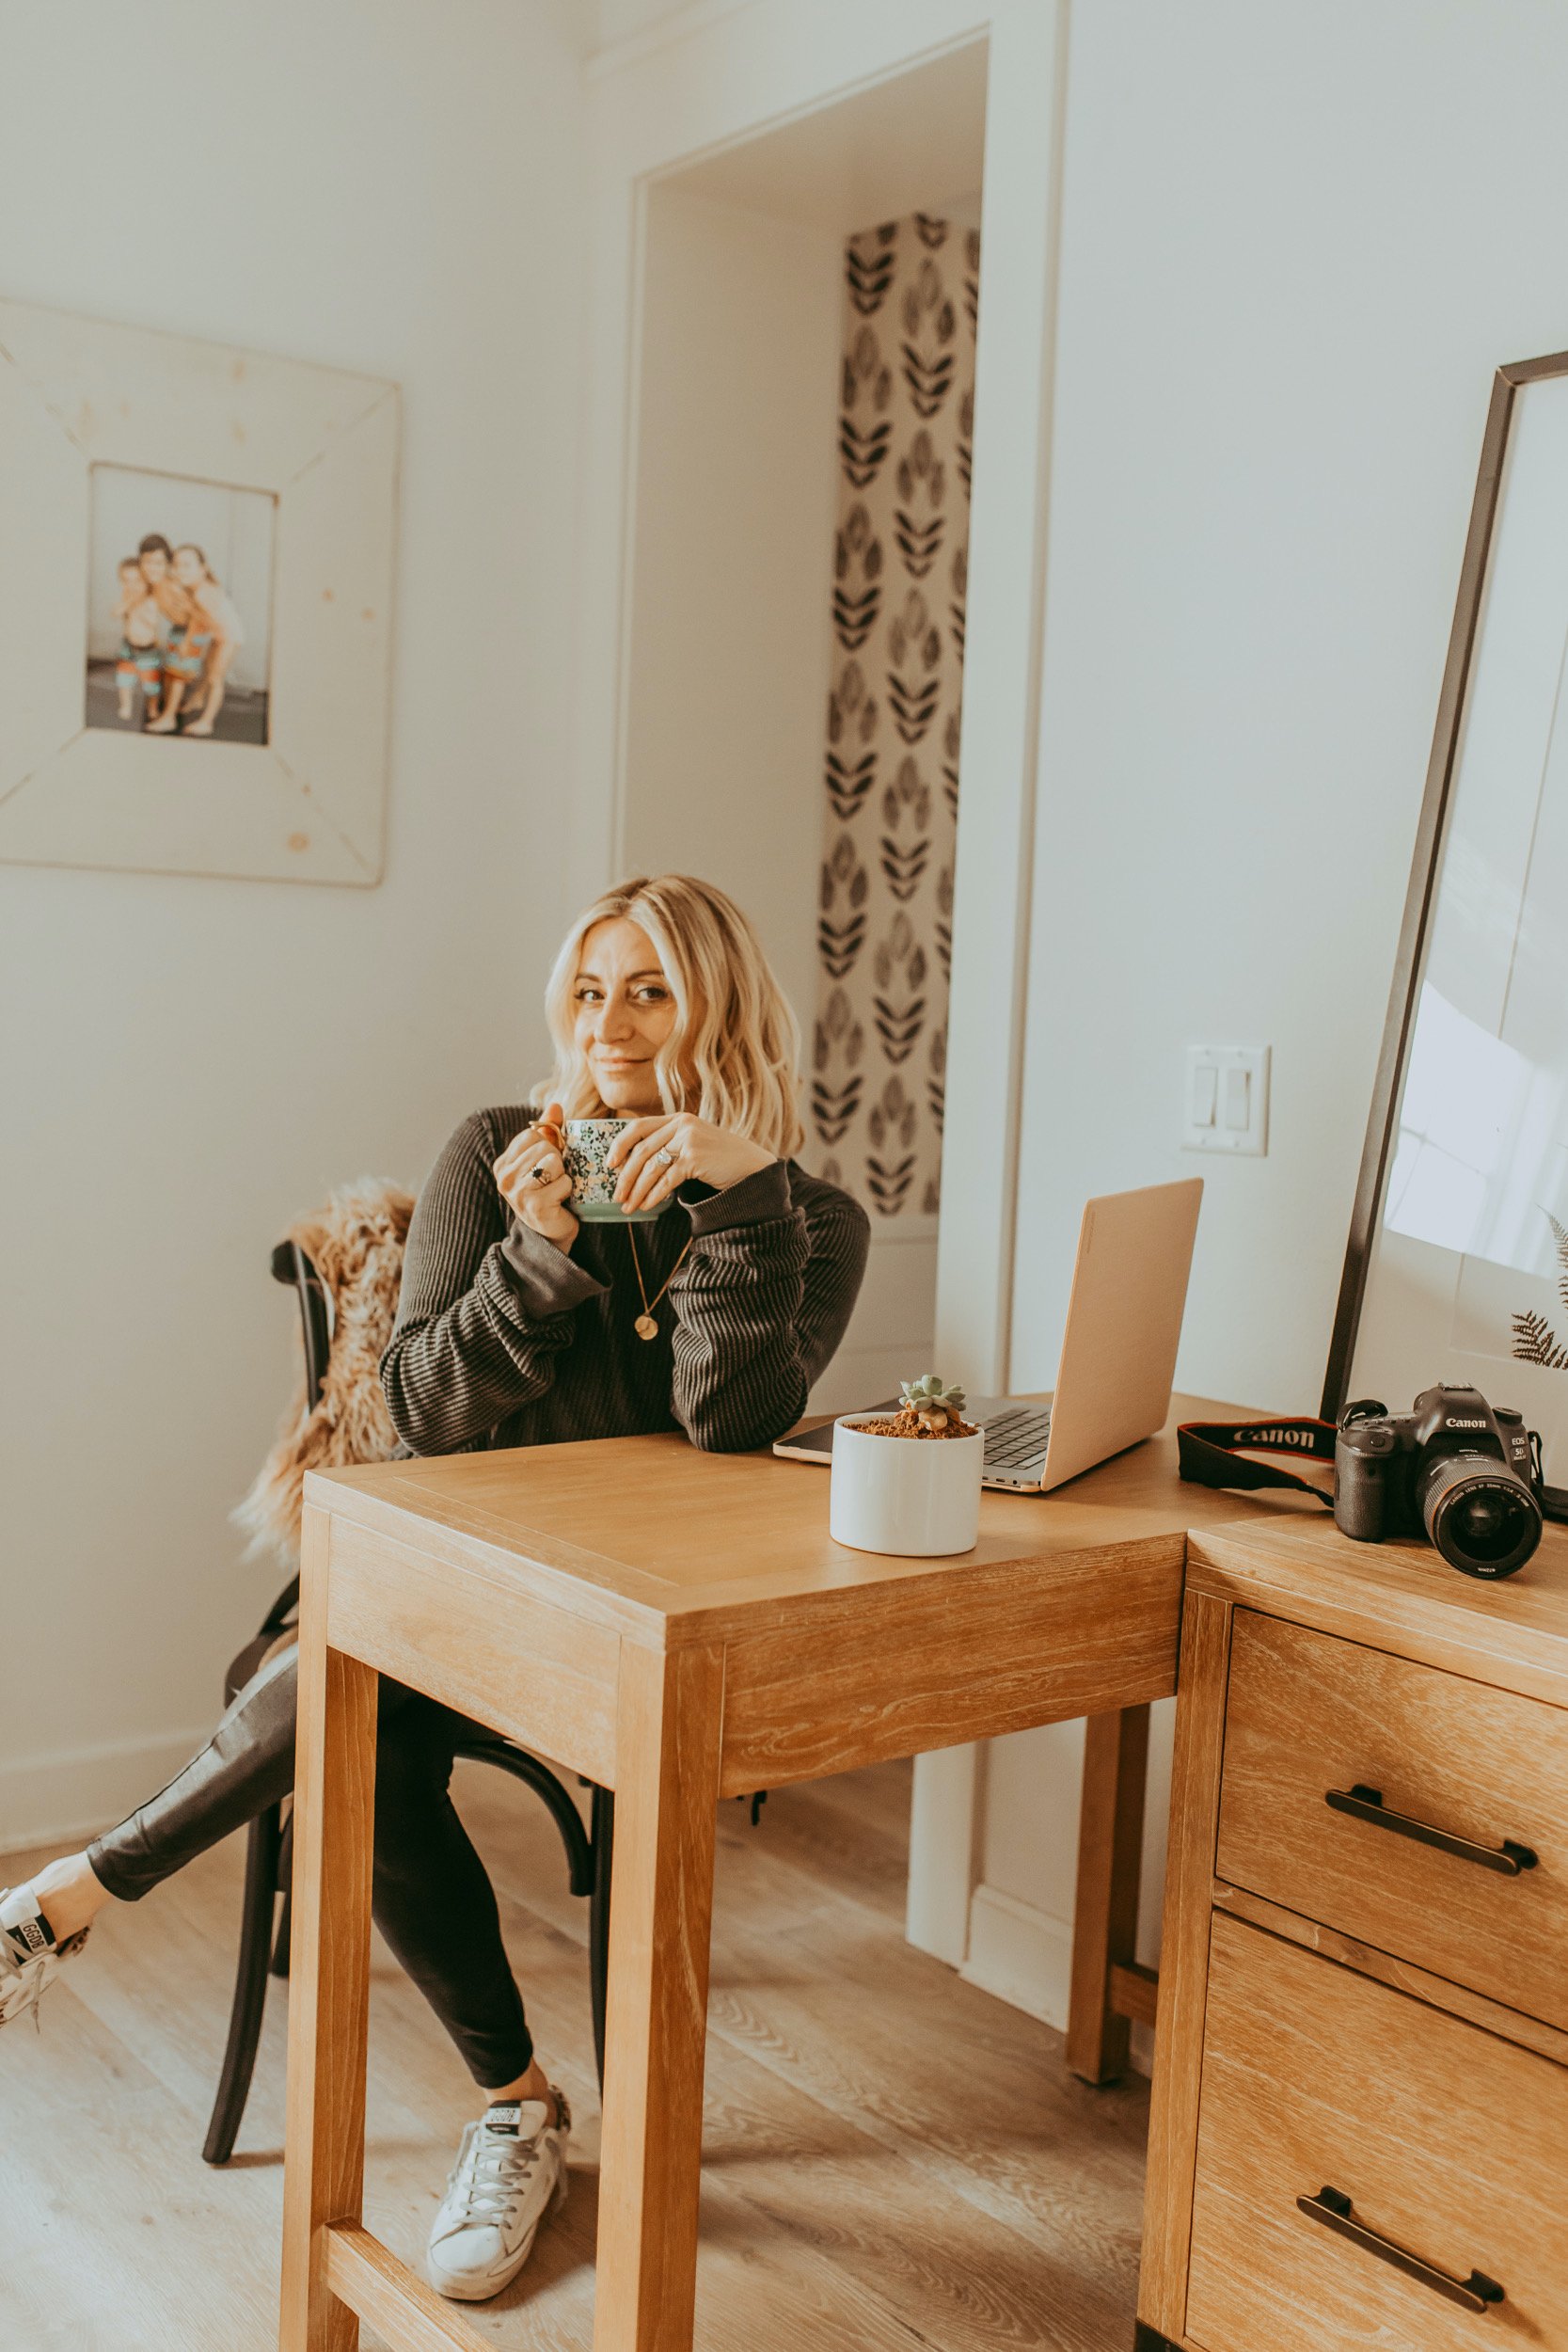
x=329, y=1965
x=1105, y=1917
x=662, y=1907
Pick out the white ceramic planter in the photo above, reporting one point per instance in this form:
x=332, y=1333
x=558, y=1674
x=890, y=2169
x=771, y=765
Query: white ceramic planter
x=917, y=1497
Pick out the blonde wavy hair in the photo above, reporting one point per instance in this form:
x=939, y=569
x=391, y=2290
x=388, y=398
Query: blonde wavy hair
x=735, y=1037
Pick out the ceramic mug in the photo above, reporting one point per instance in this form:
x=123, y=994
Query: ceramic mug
x=593, y=1202
x=919, y=1497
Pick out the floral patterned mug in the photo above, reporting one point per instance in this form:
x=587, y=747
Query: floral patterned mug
x=587, y=1142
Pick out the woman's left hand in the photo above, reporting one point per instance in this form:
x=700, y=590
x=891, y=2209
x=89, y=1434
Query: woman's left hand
x=656, y=1156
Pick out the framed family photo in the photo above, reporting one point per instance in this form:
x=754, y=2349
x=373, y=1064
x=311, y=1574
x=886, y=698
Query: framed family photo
x=197, y=549
x=179, y=607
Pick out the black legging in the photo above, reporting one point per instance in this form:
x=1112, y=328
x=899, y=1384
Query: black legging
x=432, y=1899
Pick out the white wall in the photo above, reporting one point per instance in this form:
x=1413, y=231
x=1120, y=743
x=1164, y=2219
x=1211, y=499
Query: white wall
x=617, y=24
x=380, y=186
x=1296, y=242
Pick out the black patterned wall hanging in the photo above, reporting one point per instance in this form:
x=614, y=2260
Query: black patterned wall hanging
x=891, y=774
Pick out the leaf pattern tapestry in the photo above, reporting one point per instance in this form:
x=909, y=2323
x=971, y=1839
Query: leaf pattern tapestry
x=891, y=763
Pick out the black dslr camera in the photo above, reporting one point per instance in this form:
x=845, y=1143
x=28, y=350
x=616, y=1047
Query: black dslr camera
x=1454, y=1468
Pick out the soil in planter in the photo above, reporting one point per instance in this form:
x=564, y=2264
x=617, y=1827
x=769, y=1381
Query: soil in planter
x=908, y=1424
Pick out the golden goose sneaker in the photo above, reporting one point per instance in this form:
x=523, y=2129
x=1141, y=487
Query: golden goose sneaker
x=510, y=2170
x=30, y=1957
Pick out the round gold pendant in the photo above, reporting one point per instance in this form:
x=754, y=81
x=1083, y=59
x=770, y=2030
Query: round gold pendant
x=645, y=1328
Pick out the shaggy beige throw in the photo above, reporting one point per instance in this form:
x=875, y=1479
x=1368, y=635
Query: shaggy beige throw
x=356, y=1244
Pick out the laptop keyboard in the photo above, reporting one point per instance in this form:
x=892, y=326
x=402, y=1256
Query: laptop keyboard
x=1015, y=1440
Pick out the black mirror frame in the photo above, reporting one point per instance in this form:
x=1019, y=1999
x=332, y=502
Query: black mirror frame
x=1419, y=901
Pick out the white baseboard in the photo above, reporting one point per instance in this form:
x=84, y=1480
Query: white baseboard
x=75, y=1793
x=1024, y=1955
x=947, y=1783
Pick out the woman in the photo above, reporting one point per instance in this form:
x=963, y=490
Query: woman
x=519, y=1327
x=214, y=637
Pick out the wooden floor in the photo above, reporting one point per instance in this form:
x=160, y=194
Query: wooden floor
x=892, y=2160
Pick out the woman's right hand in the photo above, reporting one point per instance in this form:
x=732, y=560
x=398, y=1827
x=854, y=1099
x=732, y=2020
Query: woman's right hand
x=532, y=1178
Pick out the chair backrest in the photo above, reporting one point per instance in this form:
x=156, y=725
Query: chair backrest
x=343, y=1264
x=290, y=1264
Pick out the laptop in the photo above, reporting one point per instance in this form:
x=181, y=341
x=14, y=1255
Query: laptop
x=1119, y=1350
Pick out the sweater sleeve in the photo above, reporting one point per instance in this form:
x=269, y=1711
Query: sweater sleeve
x=760, y=1305
x=486, y=1309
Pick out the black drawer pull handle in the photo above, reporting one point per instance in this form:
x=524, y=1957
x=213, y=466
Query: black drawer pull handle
x=1333, y=2208
x=1366, y=1805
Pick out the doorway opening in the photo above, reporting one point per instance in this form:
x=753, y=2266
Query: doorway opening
x=801, y=435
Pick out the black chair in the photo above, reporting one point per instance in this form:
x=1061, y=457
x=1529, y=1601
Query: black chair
x=264, y=1918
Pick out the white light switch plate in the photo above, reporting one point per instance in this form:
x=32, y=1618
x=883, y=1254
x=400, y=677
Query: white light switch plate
x=1226, y=1106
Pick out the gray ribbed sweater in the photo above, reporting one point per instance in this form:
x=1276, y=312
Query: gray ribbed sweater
x=502, y=1339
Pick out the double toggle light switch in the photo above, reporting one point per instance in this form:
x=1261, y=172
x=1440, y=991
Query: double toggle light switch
x=1227, y=1099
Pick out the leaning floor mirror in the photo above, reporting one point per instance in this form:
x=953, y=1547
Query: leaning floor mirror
x=1457, y=1267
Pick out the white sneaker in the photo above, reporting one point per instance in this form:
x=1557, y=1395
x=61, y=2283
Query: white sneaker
x=30, y=1957
x=509, y=2169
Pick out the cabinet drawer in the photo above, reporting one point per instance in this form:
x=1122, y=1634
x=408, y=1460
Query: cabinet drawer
x=1307, y=1714
x=1451, y=2145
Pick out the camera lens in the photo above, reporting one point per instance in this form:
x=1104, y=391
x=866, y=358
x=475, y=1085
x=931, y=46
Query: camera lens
x=1481, y=1519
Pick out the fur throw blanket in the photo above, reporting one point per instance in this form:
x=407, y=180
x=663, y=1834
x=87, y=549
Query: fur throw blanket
x=356, y=1244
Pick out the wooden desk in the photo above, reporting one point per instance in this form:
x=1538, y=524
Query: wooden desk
x=1371, y=1995
x=679, y=1628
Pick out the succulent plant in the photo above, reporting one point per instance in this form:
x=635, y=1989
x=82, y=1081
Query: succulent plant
x=936, y=1401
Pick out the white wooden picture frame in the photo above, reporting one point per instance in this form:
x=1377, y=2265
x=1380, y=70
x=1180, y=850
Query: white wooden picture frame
x=308, y=805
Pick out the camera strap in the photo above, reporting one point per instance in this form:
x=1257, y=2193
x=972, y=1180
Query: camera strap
x=1213, y=1452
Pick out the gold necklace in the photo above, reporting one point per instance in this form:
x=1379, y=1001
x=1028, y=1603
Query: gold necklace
x=645, y=1327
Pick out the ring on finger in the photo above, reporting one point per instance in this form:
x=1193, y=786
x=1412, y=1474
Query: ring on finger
x=664, y=1157
x=539, y=1174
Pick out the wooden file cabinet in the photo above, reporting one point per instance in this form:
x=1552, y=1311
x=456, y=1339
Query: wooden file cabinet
x=1360, y=2123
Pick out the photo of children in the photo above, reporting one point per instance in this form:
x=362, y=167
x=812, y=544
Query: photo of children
x=179, y=626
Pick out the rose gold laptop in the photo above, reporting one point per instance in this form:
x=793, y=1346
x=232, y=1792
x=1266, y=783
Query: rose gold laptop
x=1119, y=1350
